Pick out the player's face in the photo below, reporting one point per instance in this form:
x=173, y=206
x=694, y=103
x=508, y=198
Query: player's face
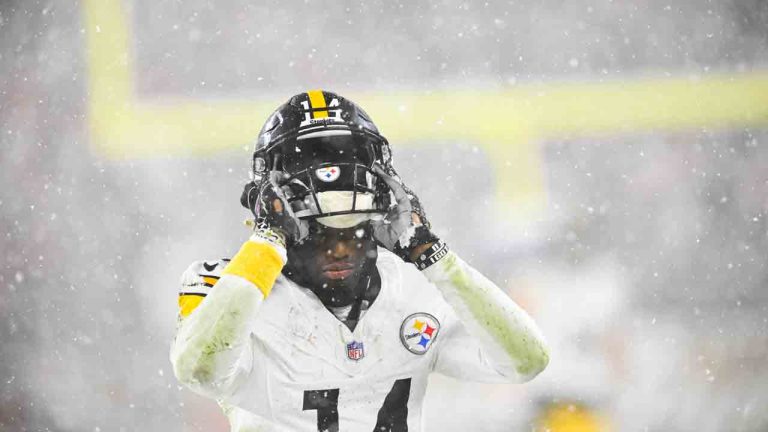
x=333, y=262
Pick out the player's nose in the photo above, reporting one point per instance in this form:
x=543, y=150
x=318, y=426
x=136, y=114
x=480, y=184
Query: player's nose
x=340, y=249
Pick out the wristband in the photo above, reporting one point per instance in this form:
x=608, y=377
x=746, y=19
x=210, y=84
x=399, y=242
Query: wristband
x=432, y=255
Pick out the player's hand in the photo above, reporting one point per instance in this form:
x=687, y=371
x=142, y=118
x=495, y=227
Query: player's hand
x=273, y=210
x=405, y=230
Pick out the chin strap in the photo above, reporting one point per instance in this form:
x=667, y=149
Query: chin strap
x=357, y=306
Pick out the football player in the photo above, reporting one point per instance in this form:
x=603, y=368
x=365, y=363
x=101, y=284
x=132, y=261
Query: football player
x=342, y=302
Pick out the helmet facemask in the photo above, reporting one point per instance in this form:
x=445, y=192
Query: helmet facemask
x=330, y=178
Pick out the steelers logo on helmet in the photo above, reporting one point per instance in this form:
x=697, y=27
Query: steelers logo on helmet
x=328, y=174
x=418, y=332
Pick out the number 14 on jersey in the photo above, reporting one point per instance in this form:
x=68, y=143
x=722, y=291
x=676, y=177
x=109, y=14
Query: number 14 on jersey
x=392, y=417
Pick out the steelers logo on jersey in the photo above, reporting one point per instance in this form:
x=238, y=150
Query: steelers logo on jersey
x=418, y=332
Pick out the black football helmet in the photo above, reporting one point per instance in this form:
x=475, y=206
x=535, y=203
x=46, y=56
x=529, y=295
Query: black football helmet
x=325, y=146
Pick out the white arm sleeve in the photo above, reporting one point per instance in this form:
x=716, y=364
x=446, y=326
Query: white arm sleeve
x=212, y=351
x=495, y=340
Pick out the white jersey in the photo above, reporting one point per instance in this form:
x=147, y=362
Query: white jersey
x=300, y=368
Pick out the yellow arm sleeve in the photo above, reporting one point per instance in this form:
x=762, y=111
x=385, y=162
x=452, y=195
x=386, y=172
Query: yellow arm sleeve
x=257, y=262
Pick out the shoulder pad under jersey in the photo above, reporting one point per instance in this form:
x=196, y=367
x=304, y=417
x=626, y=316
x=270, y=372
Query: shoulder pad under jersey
x=197, y=281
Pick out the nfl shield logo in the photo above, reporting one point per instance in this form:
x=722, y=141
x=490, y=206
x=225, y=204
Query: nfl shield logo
x=355, y=350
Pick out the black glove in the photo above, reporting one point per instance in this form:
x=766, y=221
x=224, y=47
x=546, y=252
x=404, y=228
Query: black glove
x=273, y=211
x=406, y=226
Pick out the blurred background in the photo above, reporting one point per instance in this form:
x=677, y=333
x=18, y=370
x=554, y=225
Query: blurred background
x=605, y=162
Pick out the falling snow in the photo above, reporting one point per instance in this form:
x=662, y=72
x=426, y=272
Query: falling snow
x=640, y=250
